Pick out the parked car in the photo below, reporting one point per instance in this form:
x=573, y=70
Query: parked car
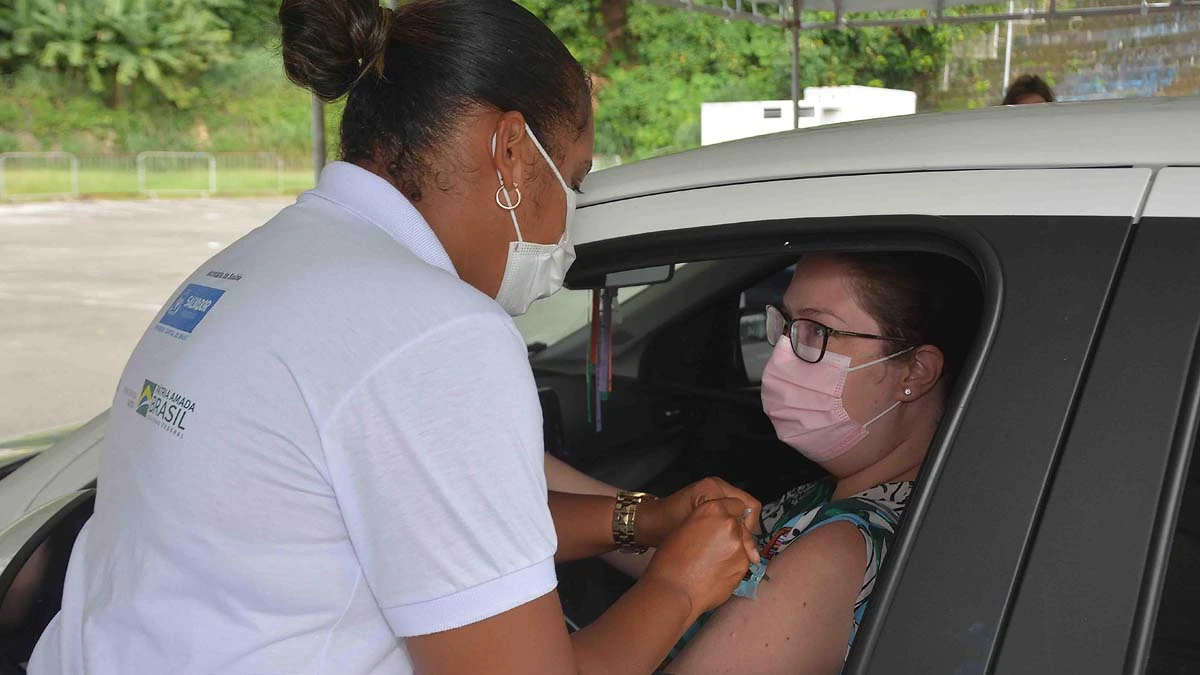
x=1055, y=527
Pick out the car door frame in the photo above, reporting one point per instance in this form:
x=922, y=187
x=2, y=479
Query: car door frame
x=1125, y=464
x=959, y=596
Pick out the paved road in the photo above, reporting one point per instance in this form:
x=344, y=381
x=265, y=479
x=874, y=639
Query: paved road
x=80, y=282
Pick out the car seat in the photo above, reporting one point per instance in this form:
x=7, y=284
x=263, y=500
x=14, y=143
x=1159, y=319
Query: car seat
x=35, y=550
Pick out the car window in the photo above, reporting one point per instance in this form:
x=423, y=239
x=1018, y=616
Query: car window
x=752, y=330
x=554, y=318
x=1176, y=644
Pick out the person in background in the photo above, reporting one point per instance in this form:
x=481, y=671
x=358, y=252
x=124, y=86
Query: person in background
x=1028, y=89
x=325, y=455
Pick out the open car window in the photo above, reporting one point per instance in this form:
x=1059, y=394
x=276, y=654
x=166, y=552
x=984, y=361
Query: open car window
x=685, y=404
x=551, y=319
x=554, y=318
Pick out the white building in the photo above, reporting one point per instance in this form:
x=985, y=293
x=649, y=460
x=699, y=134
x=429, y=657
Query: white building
x=720, y=122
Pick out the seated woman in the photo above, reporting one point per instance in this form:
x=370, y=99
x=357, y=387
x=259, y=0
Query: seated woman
x=867, y=347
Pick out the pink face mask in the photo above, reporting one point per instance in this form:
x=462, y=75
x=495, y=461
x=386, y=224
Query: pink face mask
x=804, y=402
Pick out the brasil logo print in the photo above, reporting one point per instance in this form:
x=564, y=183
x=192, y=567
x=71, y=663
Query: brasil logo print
x=166, y=408
x=146, y=398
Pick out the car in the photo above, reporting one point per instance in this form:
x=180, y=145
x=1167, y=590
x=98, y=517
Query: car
x=1055, y=527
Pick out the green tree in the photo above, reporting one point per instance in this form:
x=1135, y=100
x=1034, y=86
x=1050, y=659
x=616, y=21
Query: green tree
x=16, y=42
x=252, y=23
x=116, y=45
x=653, y=67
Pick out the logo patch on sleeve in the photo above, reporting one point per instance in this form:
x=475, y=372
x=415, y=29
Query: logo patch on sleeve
x=188, y=310
x=146, y=398
x=166, y=408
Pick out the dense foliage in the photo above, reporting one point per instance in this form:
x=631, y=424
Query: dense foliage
x=203, y=73
x=654, y=66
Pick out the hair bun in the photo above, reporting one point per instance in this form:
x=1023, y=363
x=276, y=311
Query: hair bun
x=329, y=45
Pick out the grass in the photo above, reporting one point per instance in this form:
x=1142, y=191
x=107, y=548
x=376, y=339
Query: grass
x=22, y=183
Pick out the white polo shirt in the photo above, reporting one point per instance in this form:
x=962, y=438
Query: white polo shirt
x=326, y=442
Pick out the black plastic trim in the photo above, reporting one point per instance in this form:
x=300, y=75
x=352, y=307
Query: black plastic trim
x=1068, y=425
x=1183, y=444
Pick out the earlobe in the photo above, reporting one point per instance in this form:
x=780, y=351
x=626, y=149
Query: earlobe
x=925, y=369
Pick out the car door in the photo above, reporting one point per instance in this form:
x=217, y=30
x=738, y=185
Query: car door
x=1048, y=245
x=1089, y=595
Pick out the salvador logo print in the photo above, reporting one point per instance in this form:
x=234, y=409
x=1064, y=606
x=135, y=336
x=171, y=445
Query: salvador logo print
x=188, y=310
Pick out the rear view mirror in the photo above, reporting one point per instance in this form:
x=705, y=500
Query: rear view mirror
x=640, y=277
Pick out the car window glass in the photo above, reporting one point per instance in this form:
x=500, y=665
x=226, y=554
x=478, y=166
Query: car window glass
x=753, y=329
x=1176, y=644
x=552, y=319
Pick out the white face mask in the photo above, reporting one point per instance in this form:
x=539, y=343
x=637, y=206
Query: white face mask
x=535, y=271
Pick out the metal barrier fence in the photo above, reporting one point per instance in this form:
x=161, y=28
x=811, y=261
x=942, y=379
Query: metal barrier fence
x=250, y=172
x=182, y=169
x=62, y=175
x=59, y=175
x=49, y=165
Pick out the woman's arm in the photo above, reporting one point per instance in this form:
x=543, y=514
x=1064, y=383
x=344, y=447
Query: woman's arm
x=695, y=570
x=582, y=510
x=562, y=477
x=800, y=622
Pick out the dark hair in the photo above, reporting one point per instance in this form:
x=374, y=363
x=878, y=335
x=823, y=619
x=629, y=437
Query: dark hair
x=921, y=298
x=1028, y=85
x=413, y=74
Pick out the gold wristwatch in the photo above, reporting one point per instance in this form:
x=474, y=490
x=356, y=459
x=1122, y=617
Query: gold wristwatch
x=624, y=516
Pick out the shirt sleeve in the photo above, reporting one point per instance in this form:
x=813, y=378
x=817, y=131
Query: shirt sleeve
x=436, y=461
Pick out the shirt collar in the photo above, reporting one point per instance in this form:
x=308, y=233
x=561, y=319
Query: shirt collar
x=373, y=199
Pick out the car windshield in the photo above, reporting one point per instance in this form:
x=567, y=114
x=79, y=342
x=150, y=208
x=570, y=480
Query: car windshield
x=554, y=318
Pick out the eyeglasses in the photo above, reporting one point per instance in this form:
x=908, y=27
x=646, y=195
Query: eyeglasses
x=809, y=338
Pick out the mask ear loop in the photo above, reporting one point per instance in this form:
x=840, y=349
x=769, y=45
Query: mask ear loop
x=877, y=361
x=880, y=415
x=897, y=403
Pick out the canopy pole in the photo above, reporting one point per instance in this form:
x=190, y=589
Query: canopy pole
x=318, y=134
x=795, y=25
x=1008, y=40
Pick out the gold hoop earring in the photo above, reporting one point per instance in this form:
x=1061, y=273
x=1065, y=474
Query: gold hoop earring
x=502, y=204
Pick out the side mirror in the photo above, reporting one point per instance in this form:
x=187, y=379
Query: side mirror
x=752, y=333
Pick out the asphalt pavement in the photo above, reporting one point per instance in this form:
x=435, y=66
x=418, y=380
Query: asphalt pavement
x=80, y=283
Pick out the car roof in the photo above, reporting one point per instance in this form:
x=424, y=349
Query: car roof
x=1141, y=132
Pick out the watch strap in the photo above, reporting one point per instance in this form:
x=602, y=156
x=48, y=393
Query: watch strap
x=625, y=520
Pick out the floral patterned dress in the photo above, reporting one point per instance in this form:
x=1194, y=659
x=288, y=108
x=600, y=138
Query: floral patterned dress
x=875, y=513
